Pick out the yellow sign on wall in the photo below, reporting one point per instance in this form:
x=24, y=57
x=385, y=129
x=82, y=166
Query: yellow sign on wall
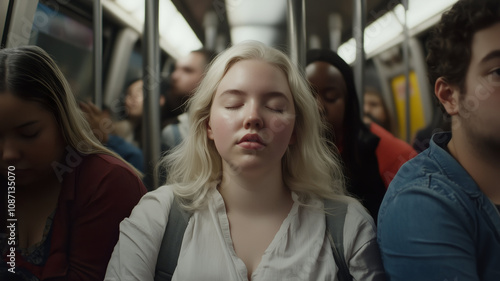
x=416, y=110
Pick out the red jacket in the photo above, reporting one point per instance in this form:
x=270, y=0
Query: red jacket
x=95, y=197
x=391, y=153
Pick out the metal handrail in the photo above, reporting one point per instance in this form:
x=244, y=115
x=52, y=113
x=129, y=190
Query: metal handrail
x=297, y=32
x=97, y=23
x=151, y=79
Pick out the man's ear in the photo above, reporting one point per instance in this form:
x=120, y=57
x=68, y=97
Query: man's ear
x=210, y=133
x=448, y=95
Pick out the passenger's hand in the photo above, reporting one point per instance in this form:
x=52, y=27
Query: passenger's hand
x=99, y=121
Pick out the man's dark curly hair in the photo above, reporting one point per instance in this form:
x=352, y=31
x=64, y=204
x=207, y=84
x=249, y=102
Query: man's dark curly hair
x=449, y=45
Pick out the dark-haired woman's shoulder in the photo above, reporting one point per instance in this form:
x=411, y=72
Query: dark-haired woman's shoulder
x=101, y=174
x=98, y=192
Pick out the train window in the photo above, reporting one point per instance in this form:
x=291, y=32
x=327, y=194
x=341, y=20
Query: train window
x=70, y=43
x=135, y=65
x=134, y=70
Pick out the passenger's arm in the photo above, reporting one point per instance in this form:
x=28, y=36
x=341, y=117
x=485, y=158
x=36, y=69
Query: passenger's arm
x=426, y=235
x=360, y=245
x=136, y=253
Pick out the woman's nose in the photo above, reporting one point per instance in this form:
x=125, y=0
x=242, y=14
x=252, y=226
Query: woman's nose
x=253, y=118
x=9, y=151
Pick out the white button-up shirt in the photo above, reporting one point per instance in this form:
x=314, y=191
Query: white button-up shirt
x=300, y=249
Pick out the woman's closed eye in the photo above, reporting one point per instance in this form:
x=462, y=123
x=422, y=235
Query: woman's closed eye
x=29, y=135
x=275, y=109
x=29, y=132
x=330, y=96
x=232, y=106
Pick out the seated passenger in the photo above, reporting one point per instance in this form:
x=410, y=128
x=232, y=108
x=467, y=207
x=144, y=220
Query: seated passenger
x=63, y=193
x=440, y=218
x=375, y=110
x=252, y=176
x=372, y=156
x=103, y=128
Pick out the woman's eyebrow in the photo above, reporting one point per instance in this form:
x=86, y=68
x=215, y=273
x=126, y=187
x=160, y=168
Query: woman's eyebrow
x=267, y=95
x=276, y=94
x=233, y=92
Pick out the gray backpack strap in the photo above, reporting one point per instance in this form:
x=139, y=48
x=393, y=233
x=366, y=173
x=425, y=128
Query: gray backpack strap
x=170, y=247
x=335, y=219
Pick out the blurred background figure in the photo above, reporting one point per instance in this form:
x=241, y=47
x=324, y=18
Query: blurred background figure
x=371, y=155
x=375, y=109
x=103, y=128
x=185, y=79
x=130, y=128
x=188, y=73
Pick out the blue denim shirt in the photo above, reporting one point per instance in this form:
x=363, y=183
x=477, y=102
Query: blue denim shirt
x=436, y=224
x=127, y=151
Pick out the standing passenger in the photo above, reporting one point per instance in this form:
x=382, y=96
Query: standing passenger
x=372, y=156
x=186, y=77
x=440, y=218
x=253, y=173
x=70, y=192
x=375, y=110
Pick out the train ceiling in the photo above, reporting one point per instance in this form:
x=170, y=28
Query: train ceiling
x=269, y=17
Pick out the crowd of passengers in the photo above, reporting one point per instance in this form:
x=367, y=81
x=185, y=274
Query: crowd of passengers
x=269, y=171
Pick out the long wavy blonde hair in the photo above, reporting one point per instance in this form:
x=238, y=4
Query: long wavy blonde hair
x=310, y=168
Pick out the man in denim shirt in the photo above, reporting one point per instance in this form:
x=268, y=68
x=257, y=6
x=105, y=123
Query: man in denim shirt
x=439, y=219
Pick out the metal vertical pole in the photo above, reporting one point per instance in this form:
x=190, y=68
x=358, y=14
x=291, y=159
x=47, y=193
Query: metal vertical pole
x=297, y=31
x=151, y=78
x=335, y=30
x=210, y=23
x=97, y=53
x=406, y=60
x=358, y=31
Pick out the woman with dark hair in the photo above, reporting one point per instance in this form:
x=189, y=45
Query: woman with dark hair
x=371, y=159
x=59, y=207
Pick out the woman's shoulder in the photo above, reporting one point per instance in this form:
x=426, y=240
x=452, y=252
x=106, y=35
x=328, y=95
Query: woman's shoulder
x=101, y=174
x=352, y=208
x=154, y=206
x=359, y=234
x=103, y=163
x=357, y=220
x=163, y=193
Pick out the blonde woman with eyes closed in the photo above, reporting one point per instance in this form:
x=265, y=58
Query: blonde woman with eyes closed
x=252, y=174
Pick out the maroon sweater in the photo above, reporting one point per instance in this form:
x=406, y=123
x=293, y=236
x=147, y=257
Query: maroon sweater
x=95, y=197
